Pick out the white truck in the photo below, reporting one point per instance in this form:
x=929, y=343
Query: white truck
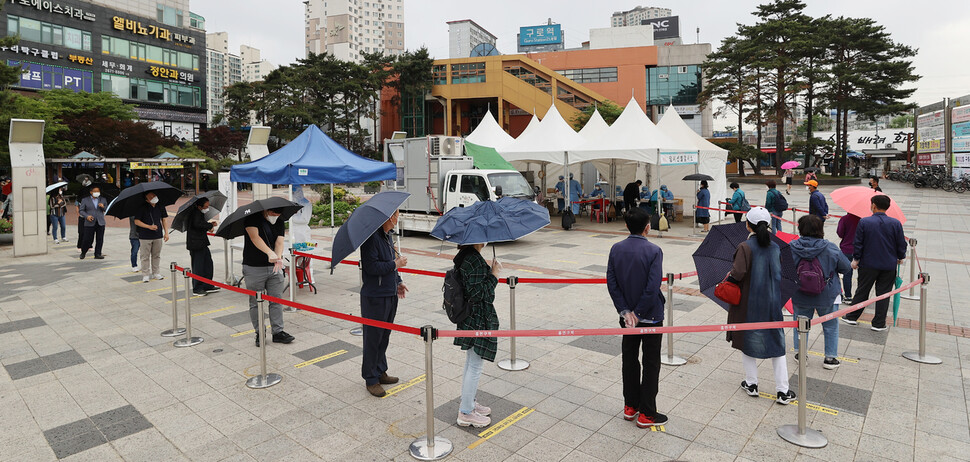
x=440, y=177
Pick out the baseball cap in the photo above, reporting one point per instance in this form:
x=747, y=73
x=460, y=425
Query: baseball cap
x=757, y=215
x=812, y=183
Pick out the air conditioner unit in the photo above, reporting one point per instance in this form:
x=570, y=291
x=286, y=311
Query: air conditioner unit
x=663, y=76
x=449, y=146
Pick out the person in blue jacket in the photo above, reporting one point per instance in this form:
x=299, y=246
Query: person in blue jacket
x=816, y=201
x=575, y=194
x=597, y=192
x=737, y=201
x=811, y=245
x=772, y=204
x=648, y=207
x=561, y=188
x=668, y=198
x=703, y=216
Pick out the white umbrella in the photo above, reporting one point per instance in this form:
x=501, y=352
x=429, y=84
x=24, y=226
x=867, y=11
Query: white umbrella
x=54, y=186
x=206, y=171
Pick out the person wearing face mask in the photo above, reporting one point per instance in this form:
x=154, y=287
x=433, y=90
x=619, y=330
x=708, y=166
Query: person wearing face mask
x=152, y=223
x=58, y=209
x=92, y=212
x=197, y=243
x=263, y=268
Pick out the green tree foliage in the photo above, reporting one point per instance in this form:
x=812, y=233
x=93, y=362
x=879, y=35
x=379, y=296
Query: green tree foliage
x=608, y=110
x=903, y=121
x=743, y=153
x=9, y=75
x=728, y=70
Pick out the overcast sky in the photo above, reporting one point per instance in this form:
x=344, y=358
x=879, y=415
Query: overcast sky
x=938, y=28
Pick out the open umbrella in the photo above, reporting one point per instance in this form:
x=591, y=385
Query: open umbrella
x=812, y=169
x=857, y=200
x=507, y=219
x=216, y=201
x=790, y=164
x=206, y=171
x=55, y=186
x=84, y=178
x=235, y=224
x=715, y=257
x=698, y=177
x=363, y=222
x=132, y=198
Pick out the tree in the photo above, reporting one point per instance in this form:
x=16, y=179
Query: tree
x=240, y=100
x=742, y=153
x=9, y=75
x=608, y=110
x=222, y=142
x=728, y=78
x=903, y=121
x=411, y=77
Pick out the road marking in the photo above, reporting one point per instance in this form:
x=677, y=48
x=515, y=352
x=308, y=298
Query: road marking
x=568, y=261
x=404, y=386
x=240, y=334
x=658, y=428
x=593, y=235
x=814, y=407
x=127, y=272
x=190, y=298
x=213, y=311
x=318, y=359
x=594, y=254
x=502, y=425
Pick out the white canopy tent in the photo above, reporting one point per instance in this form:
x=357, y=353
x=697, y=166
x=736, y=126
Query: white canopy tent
x=712, y=159
x=489, y=133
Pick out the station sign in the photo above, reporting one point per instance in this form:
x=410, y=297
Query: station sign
x=540, y=35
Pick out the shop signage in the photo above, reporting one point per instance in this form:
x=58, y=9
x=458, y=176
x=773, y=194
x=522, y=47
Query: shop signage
x=46, y=77
x=112, y=67
x=961, y=137
x=57, y=8
x=664, y=28
x=81, y=60
x=936, y=158
x=161, y=33
x=960, y=114
x=930, y=134
x=40, y=53
x=678, y=158
x=167, y=73
x=153, y=165
x=540, y=35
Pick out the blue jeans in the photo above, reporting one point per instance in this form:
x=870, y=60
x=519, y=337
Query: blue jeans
x=469, y=381
x=58, y=220
x=847, y=280
x=135, y=246
x=830, y=329
x=775, y=224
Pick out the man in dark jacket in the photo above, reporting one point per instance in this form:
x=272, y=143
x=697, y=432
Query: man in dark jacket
x=197, y=243
x=92, y=212
x=631, y=194
x=846, y=230
x=633, y=277
x=379, y=294
x=816, y=201
x=878, y=248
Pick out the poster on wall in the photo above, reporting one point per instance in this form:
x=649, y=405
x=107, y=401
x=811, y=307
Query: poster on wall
x=931, y=139
x=960, y=139
x=47, y=77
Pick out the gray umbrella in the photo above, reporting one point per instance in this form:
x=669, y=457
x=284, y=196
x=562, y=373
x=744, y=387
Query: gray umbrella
x=217, y=200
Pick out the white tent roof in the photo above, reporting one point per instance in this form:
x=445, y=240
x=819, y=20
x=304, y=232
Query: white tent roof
x=631, y=137
x=489, y=133
x=675, y=127
x=533, y=123
x=712, y=159
x=546, y=142
x=594, y=127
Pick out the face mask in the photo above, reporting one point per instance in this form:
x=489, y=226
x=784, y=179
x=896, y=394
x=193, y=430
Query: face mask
x=95, y=195
x=154, y=200
x=205, y=210
x=272, y=219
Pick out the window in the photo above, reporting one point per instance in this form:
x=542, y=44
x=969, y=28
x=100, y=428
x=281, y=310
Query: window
x=468, y=73
x=594, y=75
x=169, y=15
x=530, y=76
x=474, y=184
x=453, y=184
x=150, y=53
x=151, y=91
x=673, y=85
x=50, y=34
x=439, y=75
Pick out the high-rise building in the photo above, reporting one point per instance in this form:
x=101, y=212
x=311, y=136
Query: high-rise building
x=466, y=38
x=345, y=29
x=225, y=69
x=635, y=16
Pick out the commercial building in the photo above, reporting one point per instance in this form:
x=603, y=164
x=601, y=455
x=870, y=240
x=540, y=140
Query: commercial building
x=149, y=54
x=635, y=16
x=345, y=29
x=225, y=69
x=466, y=39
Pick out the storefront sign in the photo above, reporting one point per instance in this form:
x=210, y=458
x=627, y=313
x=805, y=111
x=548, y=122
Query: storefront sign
x=80, y=60
x=960, y=114
x=46, y=77
x=930, y=138
x=872, y=139
x=161, y=33
x=153, y=165
x=664, y=28
x=936, y=158
x=931, y=146
x=40, y=53
x=112, y=67
x=52, y=7
x=961, y=137
x=678, y=158
x=167, y=73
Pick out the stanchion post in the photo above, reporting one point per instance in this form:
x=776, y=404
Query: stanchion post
x=292, y=278
x=175, y=331
x=430, y=447
x=513, y=363
x=912, y=272
x=670, y=359
x=264, y=379
x=921, y=356
x=188, y=340
x=358, y=331
x=227, y=253
x=800, y=435
x=794, y=220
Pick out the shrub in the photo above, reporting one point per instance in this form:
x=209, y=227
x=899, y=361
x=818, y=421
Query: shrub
x=321, y=213
x=6, y=227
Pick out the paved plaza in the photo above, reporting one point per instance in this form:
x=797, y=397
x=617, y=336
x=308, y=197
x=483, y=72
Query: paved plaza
x=86, y=375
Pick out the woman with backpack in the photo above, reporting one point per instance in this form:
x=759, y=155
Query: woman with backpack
x=819, y=263
x=478, y=288
x=776, y=204
x=738, y=202
x=757, y=270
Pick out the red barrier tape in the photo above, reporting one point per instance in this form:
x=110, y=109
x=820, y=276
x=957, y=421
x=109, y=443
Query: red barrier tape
x=618, y=330
x=861, y=305
x=738, y=211
x=806, y=211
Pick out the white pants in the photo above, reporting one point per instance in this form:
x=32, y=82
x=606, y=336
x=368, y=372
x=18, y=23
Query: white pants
x=780, y=365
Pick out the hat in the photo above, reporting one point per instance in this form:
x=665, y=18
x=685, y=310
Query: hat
x=812, y=183
x=757, y=215
x=663, y=186
x=561, y=177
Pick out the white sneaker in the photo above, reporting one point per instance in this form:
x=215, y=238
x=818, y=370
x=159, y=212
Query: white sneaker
x=63, y=239
x=159, y=276
x=56, y=241
x=135, y=269
x=146, y=279
x=473, y=419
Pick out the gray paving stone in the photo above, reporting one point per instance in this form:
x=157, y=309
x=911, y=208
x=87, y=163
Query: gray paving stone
x=511, y=256
x=501, y=408
x=327, y=348
x=862, y=333
x=63, y=359
x=594, y=269
x=834, y=395
x=564, y=245
x=21, y=324
x=26, y=369
x=600, y=344
x=235, y=319
x=81, y=443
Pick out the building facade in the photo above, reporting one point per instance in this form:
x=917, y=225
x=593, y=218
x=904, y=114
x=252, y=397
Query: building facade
x=225, y=69
x=636, y=16
x=466, y=38
x=345, y=29
x=146, y=53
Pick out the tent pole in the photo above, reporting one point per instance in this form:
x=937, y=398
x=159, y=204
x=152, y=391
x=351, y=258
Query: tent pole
x=565, y=182
x=331, y=209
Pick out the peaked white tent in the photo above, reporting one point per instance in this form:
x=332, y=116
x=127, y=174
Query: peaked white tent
x=595, y=127
x=489, y=133
x=712, y=159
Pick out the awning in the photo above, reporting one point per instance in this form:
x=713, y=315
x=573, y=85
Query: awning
x=877, y=153
x=486, y=158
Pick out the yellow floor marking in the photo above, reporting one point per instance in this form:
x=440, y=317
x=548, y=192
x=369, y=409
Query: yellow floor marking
x=116, y=267
x=594, y=254
x=404, y=386
x=240, y=334
x=318, y=359
x=840, y=358
x=593, y=235
x=568, y=261
x=190, y=298
x=128, y=273
x=814, y=407
x=658, y=428
x=157, y=290
x=502, y=425
x=213, y=311
x=555, y=232
x=530, y=271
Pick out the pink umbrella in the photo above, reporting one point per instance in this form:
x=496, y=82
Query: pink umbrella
x=856, y=200
x=790, y=164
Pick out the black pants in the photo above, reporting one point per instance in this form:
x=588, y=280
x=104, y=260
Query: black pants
x=883, y=279
x=80, y=231
x=374, y=362
x=201, y=265
x=737, y=217
x=640, y=389
x=93, y=234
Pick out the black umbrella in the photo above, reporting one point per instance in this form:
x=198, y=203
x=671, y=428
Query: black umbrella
x=132, y=198
x=84, y=178
x=698, y=177
x=715, y=257
x=363, y=222
x=235, y=224
x=812, y=169
x=217, y=200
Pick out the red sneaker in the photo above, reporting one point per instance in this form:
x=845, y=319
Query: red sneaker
x=646, y=422
x=630, y=413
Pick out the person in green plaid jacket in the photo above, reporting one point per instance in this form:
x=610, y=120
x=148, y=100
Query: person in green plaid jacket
x=478, y=281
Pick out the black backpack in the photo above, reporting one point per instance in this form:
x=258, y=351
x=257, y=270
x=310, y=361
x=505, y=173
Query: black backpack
x=781, y=204
x=454, y=296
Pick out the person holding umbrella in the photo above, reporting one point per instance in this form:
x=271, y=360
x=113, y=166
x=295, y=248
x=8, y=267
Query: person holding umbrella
x=263, y=267
x=92, y=212
x=197, y=243
x=152, y=223
x=701, y=215
x=757, y=270
x=58, y=215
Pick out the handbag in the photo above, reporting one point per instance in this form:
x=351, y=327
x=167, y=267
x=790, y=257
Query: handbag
x=728, y=292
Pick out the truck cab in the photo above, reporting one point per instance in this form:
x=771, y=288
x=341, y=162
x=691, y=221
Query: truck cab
x=465, y=187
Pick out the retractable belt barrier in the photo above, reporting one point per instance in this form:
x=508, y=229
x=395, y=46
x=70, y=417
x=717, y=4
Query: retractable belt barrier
x=806, y=211
x=738, y=211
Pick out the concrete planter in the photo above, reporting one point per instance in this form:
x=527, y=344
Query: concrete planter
x=6, y=239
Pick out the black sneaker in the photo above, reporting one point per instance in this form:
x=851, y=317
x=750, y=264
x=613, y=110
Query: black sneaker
x=849, y=321
x=99, y=257
x=785, y=398
x=879, y=329
x=283, y=337
x=257, y=339
x=199, y=294
x=213, y=290
x=751, y=390
x=82, y=255
x=830, y=363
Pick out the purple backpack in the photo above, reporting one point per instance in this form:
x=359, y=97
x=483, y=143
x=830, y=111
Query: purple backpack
x=811, y=278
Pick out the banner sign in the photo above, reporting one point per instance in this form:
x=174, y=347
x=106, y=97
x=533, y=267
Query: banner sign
x=153, y=165
x=961, y=137
x=936, y=158
x=931, y=137
x=540, y=35
x=678, y=158
x=46, y=77
x=960, y=114
x=664, y=28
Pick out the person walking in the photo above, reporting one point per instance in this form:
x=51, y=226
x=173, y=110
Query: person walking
x=152, y=223
x=878, y=248
x=58, y=215
x=773, y=203
x=808, y=248
x=816, y=201
x=478, y=281
x=263, y=269
x=788, y=175
x=738, y=202
x=197, y=243
x=757, y=270
x=631, y=193
x=135, y=243
x=702, y=216
x=874, y=184
x=633, y=275
x=92, y=210
x=846, y=231
x=379, y=293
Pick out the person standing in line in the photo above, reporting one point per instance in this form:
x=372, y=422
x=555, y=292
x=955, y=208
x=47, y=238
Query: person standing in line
x=788, y=175
x=152, y=223
x=816, y=201
x=874, y=184
x=135, y=242
x=92, y=209
x=703, y=216
x=478, y=282
x=810, y=176
x=878, y=248
x=633, y=276
x=846, y=230
x=773, y=204
x=379, y=293
x=757, y=270
x=810, y=246
x=575, y=194
x=630, y=195
x=263, y=269
x=58, y=215
x=738, y=202
x=197, y=243
x=561, y=189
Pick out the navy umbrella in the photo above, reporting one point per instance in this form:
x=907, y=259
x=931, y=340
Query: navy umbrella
x=217, y=200
x=698, y=177
x=507, y=219
x=235, y=224
x=715, y=257
x=363, y=222
x=132, y=198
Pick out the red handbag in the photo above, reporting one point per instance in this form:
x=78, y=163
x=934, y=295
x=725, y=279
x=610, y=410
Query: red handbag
x=728, y=292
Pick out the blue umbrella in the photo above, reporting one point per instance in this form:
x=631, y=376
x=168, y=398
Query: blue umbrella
x=507, y=219
x=363, y=222
x=715, y=257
